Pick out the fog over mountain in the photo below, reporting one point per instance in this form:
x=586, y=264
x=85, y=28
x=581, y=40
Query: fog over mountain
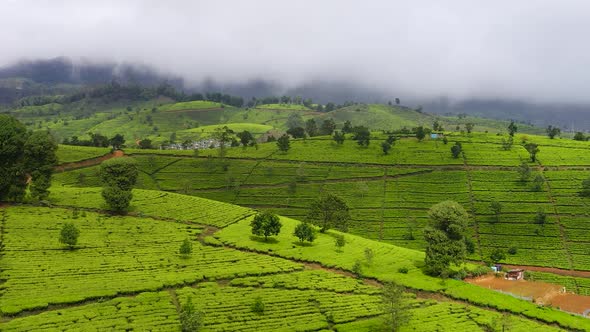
x=532, y=53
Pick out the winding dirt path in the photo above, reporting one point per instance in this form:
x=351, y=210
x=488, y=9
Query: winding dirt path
x=88, y=162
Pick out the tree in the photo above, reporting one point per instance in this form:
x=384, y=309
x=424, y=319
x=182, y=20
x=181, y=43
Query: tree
x=246, y=138
x=145, y=143
x=327, y=127
x=339, y=241
x=469, y=127
x=579, y=136
x=538, y=182
x=585, y=192
x=117, y=141
x=283, y=143
x=347, y=128
x=391, y=140
x=507, y=144
x=395, y=306
x=553, y=131
x=361, y=135
x=295, y=120
x=497, y=255
x=533, y=149
x=69, y=235
x=524, y=172
x=540, y=217
x=445, y=237
x=223, y=135
x=186, y=248
x=397, y=101
x=456, y=150
x=40, y=158
x=13, y=177
x=329, y=211
x=297, y=132
x=496, y=208
x=329, y=107
x=385, y=147
x=258, y=306
x=436, y=126
x=305, y=232
x=420, y=133
x=512, y=128
x=266, y=224
x=191, y=320
x=369, y=255
x=118, y=176
x=311, y=128
x=338, y=137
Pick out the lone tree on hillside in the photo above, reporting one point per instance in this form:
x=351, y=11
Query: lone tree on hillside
x=297, y=132
x=117, y=141
x=361, y=135
x=246, y=138
x=585, y=188
x=118, y=176
x=553, y=131
x=186, y=248
x=266, y=224
x=338, y=137
x=328, y=127
x=579, y=136
x=512, y=128
x=496, y=208
x=420, y=133
x=445, y=237
x=533, y=149
x=305, y=232
x=456, y=150
x=311, y=128
x=395, y=306
x=347, y=127
x=329, y=211
x=524, y=172
x=385, y=147
x=469, y=127
x=284, y=143
x=69, y=235
x=191, y=319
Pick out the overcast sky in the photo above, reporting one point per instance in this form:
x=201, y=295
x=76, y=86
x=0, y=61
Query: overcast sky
x=532, y=49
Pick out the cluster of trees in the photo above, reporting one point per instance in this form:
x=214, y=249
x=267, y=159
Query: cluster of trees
x=26, y=160
x=299, y=129
x=97, y=140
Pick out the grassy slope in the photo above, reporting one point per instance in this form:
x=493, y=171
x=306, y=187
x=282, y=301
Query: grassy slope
x=117, y=242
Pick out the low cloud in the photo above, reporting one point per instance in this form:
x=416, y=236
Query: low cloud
x=534, y=50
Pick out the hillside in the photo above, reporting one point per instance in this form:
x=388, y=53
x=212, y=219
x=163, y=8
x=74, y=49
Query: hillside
x=302, y=287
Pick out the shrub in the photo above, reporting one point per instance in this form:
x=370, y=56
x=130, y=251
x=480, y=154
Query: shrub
x=403, y=270
x=258, y=306
x=186, y=248
x=512, y=250
x=69, y=235
x=191, y=320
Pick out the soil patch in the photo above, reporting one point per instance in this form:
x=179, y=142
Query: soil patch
x=538, y=292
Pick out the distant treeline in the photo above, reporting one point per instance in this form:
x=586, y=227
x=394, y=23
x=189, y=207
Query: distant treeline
x=116, y=91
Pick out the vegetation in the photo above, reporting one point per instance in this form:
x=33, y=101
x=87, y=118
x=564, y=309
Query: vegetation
x=329, y=211
x=305, y=232
x=395, y=307
x=69, y=235
x=266, y=224
x=118, y=177
x=191, y=319
x=445, y=237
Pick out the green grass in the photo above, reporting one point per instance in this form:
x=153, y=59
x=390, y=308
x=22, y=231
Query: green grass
x=290, y=107
x=69, y=153
x=190, y=105
x=140, y=254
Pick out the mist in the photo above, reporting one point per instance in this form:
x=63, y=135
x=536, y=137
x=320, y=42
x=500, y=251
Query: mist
x=528, y=50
